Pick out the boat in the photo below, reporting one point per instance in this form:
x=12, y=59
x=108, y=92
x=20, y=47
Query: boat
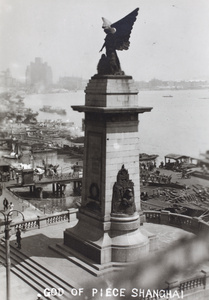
x=202, y=170
x=178, y=162
x=41, y=148
x=76, y=151
x=12, y=155
x=57, y=110
x=16, y=152
x=147, y=157
x=200, y=174
x=64, y=150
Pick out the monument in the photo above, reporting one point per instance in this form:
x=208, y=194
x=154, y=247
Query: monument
x=108, y=232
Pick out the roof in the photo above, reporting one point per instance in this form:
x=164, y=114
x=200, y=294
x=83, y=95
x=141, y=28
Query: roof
x=176, y=156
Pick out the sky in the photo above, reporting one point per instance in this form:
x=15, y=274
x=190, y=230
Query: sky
x=169, y=40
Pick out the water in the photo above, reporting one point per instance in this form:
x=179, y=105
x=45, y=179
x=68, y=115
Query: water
x=62, y=100
x=177, y=124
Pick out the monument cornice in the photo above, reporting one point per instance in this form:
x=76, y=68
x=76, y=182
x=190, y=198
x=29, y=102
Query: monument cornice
x=112, y=93
x=98, y=76
x=111, y=110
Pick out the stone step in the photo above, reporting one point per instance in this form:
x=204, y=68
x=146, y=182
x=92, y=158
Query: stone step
x=84, y=262
x=35, y=284
x=36, y=273
x=46, y=270
x=69, y=255
x=40, y=278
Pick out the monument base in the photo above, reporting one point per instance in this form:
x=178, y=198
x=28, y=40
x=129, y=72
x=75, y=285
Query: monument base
x=118, y=241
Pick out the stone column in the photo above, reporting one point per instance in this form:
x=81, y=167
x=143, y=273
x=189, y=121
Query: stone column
x=108, y=232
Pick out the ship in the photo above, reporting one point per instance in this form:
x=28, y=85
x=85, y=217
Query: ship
x=168, y=96
x=57, y=110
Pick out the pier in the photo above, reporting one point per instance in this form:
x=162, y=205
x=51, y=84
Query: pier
x=58, y=184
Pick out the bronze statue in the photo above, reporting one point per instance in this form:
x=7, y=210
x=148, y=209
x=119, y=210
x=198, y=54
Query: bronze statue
x=123, y=194
x=117, y=38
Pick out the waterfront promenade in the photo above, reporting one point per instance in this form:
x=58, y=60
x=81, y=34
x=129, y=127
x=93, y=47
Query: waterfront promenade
x=36, y=242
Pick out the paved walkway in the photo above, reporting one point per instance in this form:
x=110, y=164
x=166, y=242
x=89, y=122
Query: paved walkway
x=35, y=244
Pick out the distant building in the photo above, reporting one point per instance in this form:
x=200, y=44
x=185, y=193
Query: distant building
x=6, y=79
x=70, y=83
x=38, y=76
x=156, y=84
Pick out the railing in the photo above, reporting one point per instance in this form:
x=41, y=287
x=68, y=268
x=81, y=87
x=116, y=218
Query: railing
x=57, y=178
x=192, y=284
x=40, y=222
x=187, y=223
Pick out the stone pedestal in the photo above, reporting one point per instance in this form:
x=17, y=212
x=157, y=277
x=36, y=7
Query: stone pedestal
x=108, y=230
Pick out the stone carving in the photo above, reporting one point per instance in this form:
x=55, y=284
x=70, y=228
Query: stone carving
x=117, y=38
x=93, y=199
x=94, y=191
x=123, y=194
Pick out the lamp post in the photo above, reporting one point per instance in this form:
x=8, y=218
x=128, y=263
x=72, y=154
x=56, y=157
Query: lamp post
x=7, y=221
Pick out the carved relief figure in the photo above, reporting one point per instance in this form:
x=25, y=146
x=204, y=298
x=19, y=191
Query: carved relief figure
x=123, y=194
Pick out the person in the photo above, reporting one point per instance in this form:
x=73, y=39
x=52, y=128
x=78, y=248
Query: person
x=18, y=238
x=17, y=177
x=5, y=203
x=161, y=165
x=204, y=168
x=183, y=173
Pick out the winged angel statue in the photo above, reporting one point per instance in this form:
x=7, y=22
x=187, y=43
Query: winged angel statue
x=117, y=38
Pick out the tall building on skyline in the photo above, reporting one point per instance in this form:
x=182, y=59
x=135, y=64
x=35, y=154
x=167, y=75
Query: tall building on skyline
x=6, y=79
x=38, y=76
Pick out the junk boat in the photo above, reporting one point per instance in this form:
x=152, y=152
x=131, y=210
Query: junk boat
x=57, y=110
x=16, y=152
x=177, y=162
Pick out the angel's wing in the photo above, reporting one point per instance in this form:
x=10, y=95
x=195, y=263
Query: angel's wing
x=123, y=30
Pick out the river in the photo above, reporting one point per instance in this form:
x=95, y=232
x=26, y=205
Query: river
x=177, y=124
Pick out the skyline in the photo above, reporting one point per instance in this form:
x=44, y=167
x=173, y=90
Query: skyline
x=169, y=40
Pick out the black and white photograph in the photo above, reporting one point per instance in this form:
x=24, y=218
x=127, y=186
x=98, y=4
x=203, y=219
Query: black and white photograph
x=104, y=149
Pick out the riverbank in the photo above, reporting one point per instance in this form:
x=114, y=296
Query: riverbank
x=189, y=200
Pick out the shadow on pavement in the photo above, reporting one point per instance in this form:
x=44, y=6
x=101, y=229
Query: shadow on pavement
x=38, y=245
